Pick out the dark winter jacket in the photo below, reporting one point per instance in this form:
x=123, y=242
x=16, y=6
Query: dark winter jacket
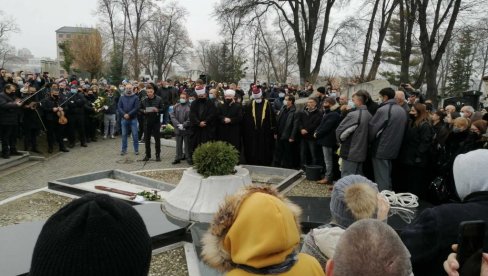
x=111, y=103
x=155, y=102
x=309, y=120
x=386, y=130
x=9, y=110
x=430, y=236
x=49, y=103
x=352, y=133
x=287, y=124
x=326, y=132
x=128, y=105
x=78, y=105
x=440, y=132
x=416, y=145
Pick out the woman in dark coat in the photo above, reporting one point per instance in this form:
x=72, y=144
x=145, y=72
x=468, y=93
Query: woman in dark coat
x=414, y=155
x=230, y=117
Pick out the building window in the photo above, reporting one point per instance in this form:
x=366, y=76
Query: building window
x=60, y=35
x=68, y=36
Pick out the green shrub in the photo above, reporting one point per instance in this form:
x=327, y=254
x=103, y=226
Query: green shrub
x=215, y=158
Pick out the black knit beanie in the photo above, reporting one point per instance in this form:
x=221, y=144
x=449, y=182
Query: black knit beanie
x=93, y=235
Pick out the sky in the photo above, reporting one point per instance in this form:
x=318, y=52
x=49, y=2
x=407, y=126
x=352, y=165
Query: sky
x=39, y=20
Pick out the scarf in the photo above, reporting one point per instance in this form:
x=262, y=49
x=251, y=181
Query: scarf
x=263, y=116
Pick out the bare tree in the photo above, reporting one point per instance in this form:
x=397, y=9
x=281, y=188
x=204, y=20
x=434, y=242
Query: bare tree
x=137, y=14
x=444, y=19
x=387, y=9
x=7, y=26
x=202, y=53
x=369, y=36
x=310, y=22
x=407, y=12
x=109, y=11
x=166, y=38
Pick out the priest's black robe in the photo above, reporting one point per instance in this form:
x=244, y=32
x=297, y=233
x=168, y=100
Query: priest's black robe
x=258, y=129
x=202, y=110
x=231, y=132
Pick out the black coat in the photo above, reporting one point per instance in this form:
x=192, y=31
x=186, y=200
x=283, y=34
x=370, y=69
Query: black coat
x=166, y=95
x=416, y=145
x=202, y=111
x=152, y=117
x=309, y=121
x=78, y=105
x=430, y=236
x=287, y=123
x=31, y=116
x=47, y=106
x=258, y=133
x=231, y=132
x=9, y=110
x=455, y=144
x=326, y=132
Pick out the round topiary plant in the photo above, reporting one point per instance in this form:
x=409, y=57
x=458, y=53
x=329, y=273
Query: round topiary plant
x=215, y=158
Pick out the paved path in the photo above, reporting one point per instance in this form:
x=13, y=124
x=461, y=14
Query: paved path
x=98, y=156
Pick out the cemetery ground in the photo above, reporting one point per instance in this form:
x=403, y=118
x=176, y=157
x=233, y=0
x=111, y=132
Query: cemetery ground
x=98, y=156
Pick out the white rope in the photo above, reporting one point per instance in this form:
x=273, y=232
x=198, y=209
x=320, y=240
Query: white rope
x=404, y=200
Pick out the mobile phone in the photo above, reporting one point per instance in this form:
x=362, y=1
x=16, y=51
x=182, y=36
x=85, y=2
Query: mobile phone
x=471, y=240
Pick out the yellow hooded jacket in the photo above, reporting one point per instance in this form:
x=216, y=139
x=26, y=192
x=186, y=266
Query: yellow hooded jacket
x=257, y=228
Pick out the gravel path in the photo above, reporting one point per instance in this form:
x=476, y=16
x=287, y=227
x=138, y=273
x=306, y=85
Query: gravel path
x=35, y=207
x=169, y=263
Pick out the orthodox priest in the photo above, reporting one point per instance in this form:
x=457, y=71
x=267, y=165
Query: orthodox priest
x=258, y=128
x=203, y=117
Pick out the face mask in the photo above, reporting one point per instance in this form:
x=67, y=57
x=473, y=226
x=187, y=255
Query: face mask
x=446, y=120
x=55, y=96
x=462, y=115
x=182, y=101
x=190, y=100
x=211, y=96
x=281, y=95
x=285, y=102
x=74, y=91
x=412, y=116
x=20, y=83
x=258, y=100
x=122, y=89
x=351, y=104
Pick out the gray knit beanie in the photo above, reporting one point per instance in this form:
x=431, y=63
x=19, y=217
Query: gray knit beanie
x=345, y=211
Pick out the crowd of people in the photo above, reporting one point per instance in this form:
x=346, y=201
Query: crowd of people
x=400, y=140
x=257, y=231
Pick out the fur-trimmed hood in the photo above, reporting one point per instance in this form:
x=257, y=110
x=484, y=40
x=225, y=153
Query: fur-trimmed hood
x=257, y=227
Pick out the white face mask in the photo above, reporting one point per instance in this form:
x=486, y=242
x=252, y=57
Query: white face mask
x=285, y=102
x=258, y=100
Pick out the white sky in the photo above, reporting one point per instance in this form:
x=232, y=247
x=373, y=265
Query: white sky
x=38, y=21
